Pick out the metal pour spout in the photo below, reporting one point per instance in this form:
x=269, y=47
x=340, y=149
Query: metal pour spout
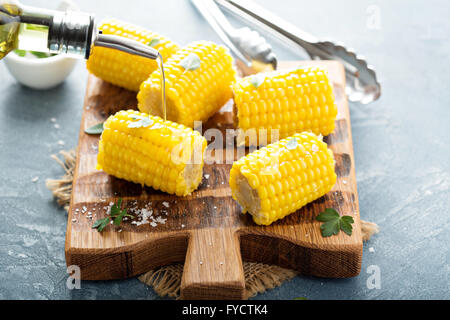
x=126, y=45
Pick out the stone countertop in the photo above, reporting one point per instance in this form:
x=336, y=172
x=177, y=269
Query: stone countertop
x=401, y=147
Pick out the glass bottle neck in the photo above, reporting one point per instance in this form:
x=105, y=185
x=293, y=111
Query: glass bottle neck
x=70, y=32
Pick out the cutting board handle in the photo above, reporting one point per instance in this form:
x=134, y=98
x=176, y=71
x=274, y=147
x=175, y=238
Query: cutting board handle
x=213, y=268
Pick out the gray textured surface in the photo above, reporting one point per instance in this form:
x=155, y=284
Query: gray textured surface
x=401, y=147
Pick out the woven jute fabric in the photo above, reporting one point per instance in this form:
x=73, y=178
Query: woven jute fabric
x=166, y=280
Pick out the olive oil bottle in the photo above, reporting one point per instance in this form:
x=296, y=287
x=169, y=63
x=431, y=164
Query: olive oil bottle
x=56, y=32
x=34, y=29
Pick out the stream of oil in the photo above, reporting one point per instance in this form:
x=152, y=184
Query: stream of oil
x=163, y=85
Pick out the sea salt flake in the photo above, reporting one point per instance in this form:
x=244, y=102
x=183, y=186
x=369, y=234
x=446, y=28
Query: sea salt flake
x=35, y=179
x=161, y=220
x=166, y=204
x=371, y=250
x=207, y=176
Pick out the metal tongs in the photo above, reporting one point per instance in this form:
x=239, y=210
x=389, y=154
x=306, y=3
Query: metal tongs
x=247, y=45
x=126, y=45
x=362, y=83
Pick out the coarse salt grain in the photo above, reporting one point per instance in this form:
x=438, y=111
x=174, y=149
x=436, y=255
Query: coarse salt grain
x=371, y=250
x=35, y=179
x=166, y=204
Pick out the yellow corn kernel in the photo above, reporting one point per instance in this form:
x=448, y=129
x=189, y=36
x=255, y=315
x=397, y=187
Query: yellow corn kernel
x=123, y=69
x=192, y=95
x=285, y=103
x=150, y=151
x=280, y=179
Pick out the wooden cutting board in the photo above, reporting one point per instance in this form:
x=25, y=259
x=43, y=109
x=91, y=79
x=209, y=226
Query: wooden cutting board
x=206, y=230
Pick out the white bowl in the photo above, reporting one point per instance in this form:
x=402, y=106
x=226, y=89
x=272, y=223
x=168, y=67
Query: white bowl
x=40, y=74
x=45, y=73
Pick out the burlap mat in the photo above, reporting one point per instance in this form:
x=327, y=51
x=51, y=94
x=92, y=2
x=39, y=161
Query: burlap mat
x=166, y=281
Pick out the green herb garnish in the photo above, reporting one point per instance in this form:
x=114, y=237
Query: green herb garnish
x=39, y=55
x=101, y=224
x=191, y=63
x=97, y=129
x=20, y=53
x=142, y=122
x=257, y=80
x=153, y=42
x=334, y=223
x=116, y=216
x=300, y=298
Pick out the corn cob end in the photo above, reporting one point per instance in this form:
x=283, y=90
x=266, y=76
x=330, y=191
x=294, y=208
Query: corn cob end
x=160, y=154
x=282, y=178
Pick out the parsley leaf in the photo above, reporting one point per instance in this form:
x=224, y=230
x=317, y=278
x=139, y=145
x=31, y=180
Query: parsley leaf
x=117, y=215
x=100, y=224
x=97, y=129
x=40, y=55
x=191, y=63
x=153, y=42
x=334, y=223
x=257, y=80
x=20, y=53
x=346, y=224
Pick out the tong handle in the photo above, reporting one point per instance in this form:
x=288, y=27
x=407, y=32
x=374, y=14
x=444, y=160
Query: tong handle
x=249, y=10
x=220, y=25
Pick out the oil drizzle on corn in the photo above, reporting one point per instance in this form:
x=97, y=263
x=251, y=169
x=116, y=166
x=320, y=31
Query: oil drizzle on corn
x=163, y=85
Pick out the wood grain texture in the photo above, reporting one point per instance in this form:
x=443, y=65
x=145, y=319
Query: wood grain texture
x=206, y=230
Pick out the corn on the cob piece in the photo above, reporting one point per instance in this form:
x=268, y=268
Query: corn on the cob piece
x=123, y=69
x=150, y=151
x=283, y=104
x=281, y=178
x=192, y=94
